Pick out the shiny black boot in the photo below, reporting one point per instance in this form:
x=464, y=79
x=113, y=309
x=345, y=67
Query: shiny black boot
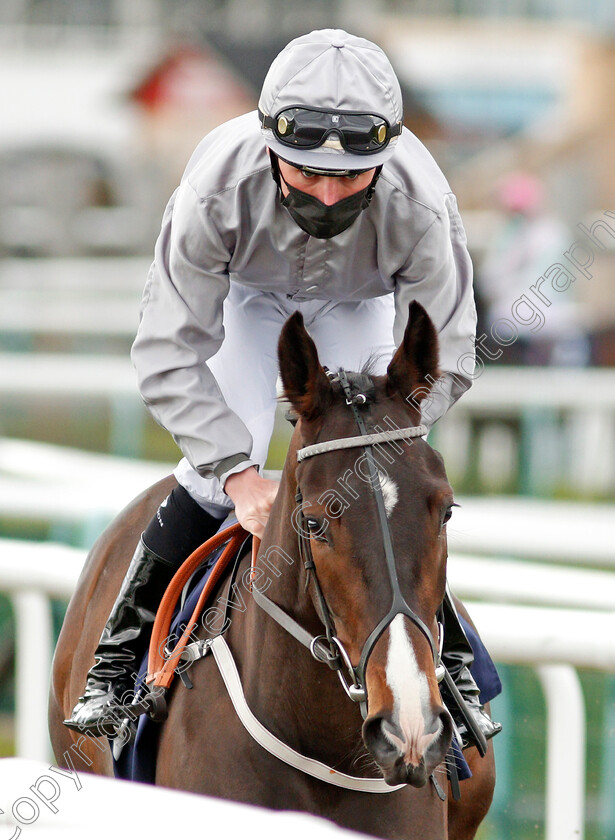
x=457, y=656
x=178, y=528
x=122, y=644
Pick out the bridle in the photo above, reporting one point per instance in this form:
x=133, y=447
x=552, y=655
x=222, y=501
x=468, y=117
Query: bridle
x=327, y=647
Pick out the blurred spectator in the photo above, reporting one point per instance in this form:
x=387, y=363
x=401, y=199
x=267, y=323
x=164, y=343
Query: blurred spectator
x=528, y=241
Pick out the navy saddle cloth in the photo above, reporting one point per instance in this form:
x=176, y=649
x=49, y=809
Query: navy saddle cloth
x=137, y=760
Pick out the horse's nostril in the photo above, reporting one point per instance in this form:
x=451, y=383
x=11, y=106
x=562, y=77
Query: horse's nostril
x=446, y=720
x=372, y=733
x=443, y=731
x=383, y=738
x=371, y=729
x=441, y=723
x=447, y=723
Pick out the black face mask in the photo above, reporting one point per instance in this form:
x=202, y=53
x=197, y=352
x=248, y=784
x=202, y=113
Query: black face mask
x=323, y=221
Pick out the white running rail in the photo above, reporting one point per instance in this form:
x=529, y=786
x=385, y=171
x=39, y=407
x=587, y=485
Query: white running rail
x=555, y=640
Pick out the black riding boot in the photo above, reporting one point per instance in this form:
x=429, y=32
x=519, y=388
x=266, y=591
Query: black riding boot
x=122, y=643
x=457, y=656
x=178, y=528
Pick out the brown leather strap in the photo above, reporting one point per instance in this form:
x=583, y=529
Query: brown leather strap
x=160, y=671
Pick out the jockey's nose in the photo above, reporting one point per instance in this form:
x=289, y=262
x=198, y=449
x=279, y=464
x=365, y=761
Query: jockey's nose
x=330, y=190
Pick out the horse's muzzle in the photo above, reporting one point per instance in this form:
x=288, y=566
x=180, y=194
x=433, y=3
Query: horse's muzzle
x=403, y=760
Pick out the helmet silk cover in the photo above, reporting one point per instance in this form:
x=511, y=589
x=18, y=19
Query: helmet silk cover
x=331, y=70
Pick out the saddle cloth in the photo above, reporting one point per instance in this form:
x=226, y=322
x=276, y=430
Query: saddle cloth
x=137, y=760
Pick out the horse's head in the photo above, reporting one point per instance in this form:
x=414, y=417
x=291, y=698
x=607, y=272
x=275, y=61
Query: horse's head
x=376, y=530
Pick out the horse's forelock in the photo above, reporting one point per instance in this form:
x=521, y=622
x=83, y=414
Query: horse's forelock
x=361, y=382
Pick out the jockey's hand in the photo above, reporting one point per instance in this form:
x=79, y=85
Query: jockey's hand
x=253, y=497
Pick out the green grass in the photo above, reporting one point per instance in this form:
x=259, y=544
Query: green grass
x=7, y=739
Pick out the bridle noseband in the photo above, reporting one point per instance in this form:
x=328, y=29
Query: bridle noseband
x=327, y=647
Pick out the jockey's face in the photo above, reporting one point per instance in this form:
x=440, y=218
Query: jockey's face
x=326, y=188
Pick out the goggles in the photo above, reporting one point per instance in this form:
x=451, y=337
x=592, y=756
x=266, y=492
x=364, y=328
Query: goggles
x=304, y=128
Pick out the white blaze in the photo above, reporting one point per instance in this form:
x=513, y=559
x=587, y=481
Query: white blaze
x=389, y=492
x=410, y=691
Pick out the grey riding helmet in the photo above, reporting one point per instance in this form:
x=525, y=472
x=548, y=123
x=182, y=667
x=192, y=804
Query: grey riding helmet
x=331, y=100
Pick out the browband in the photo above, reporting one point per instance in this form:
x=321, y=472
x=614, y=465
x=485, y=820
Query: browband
x=360, y=440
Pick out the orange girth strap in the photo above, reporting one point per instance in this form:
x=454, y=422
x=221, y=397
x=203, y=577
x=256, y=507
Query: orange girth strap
x=161, y=671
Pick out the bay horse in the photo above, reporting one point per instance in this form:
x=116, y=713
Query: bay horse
x=356, y=541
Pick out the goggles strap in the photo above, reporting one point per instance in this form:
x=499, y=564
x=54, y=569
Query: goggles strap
x=275, y=171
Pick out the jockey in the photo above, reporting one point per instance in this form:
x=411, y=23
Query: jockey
x=322, y=202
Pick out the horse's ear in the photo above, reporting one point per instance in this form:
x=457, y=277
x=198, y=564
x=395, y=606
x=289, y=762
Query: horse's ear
x=305, y=382
x=414, y=367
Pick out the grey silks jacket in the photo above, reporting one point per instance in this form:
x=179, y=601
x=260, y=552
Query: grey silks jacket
x=225, y=224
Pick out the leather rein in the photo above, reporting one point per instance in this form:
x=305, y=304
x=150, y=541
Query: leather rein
x=327, y=647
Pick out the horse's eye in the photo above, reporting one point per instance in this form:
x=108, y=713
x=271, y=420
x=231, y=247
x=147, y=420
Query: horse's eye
x=316, y=529
x=447, y=514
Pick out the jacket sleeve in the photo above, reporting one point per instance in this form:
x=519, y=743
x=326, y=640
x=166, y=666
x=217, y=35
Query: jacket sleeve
x=438, y=274
x=180, y=330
